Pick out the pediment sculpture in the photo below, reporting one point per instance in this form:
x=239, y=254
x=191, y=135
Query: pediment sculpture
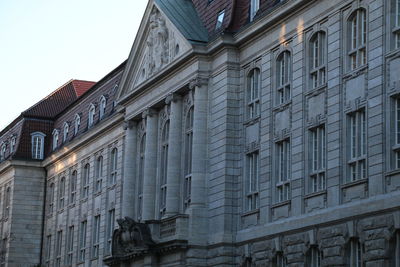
x=131, y=237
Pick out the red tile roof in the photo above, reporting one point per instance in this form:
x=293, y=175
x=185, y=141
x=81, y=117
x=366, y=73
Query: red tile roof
x=57, y=101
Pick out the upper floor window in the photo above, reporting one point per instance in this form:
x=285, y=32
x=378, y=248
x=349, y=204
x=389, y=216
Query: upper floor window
x=188, y=156
x=164, y=167
x=142, y=149
x=357, y=132
x=396, y=147
x=220, y=19
x=92, y=111
x=70, y=245
x=283, y=170
x=99, y=174
x=318, y=59
x=65, y=132
x=51, y=197
x=113, y=166
x=96, y=236
x=73, y=184
x=61, y=193
x=254, y=7
x=110, y=229
x=253, y=93
x=102, y=107
x=357, y=50
x=82, y=241
x=3, y=149
x=318, y=158
x=284, y=77
x=280, y=260
x=354, y=253
x=396, y=23
x=55, y=139
x=77, y=124
x=37, y=145
x=59, y=241
x=85, y=181
x=7, y=202
x=252, y=180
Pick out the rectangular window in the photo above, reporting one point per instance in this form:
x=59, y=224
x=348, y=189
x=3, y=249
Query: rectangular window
x=396, y=147
x=253, y=94
x=96, y=236
x=59, y=248
x=110, y=229
x=99, y=174
x=283, y=170
x=70, y=245
x=37, y=146
x=48, y=248
x=188, y=157
x=358, y=146
x=73, y=184
x=252, y=180
x=396, y=30
x=318, y=158
x=113, y=167
x=82, y=241
x=164, y=167
x=61, y=193
x=85, y=181
x=141, y=177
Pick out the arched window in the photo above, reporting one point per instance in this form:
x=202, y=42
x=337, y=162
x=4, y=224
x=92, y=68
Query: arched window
x=55, y=139
x=164, y=167
x=253, y=93
x=113, y=167
x=284, y=79
x=188, y=156
x=92, y=111
x=77, y=124
x=142, y=150
x=37, y=142
x=61, y=193
x=73, y=183
x=314, y=257
x=99, y=174
x=280, y=260
x=354, y=253
x=357, y=28
x=65, y=132
x=102, y=108
x=85, y=181
x=318, y=59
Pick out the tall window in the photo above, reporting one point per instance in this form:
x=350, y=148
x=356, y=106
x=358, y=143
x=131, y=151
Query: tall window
x=12, y=143
x=61, y=193
x=73, y=184
x=252, y=180
x=102, y=108
x=7, y=201
x=281, y=260
x=77, y=124
x=396, y=29
x=254, y=6
x=283, y=170
x=141, y=176
x=85, y=181
x=92, y=111
x=82, y=240
x=318, y=59
x=314, y=257
x=99, y=174
x=59, y=238
x=65, y=132
x=355, y=253
x=110, y=229
x=113, y=167
x=318, y=158
x=70, y=245
x=397, y=132
x=358, y=146
x=51, y=197
x=37, y=145
x=55, y=139
x=284, y=77
x=164, y=167
x=253, y=94
x=358, y=39
x=188, y=156
x=48, y=248
x=96, y=236
x=3, y=151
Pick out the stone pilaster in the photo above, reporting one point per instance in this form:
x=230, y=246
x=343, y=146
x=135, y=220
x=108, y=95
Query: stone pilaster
x=150, y=165
x=174, y=154
x=128, y=187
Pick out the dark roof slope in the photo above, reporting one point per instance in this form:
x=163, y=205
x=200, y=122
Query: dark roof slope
x=56, y=102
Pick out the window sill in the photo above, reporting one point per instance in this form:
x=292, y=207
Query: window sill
x=356, y=72
x=111, y=187
x=281, y=204
x=317, y=90
x=396, y=147
x=251, y=212
x=84, y=200
x=392, y=172
x=72, y=205
x=351, y=184
x=61, y=210
x=252, y=121
x=355, y=160
x=282, y=106
x=98, y=193
x=315, y=194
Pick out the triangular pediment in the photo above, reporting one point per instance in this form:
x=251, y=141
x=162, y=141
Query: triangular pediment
x=158, y=44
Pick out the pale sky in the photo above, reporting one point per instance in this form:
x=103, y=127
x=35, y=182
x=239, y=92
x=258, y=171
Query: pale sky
x=45, y=43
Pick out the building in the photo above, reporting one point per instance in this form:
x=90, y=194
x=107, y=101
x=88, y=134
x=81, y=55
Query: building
x=237, y=133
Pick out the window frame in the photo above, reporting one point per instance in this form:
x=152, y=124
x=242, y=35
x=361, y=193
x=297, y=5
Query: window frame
x=52, y=191
x=284, y=77
x=357, y=131
x=7, y=202
x=318, y=48
x=142, y=151
x=99, y=168
x=110, y=229
x=254, y=7
x=82, y=241
x=318, y=158
x=188, y=152
x=164, y=147
x=56, y=136
x=37, y=148
x=113, y=166
x=283, y=170
x=77, y=124
x=91, y=114
x=73, y=186
x=96, y=236
x=65, y=132
x=3, y=149
x=252, y=180
x=85, y=181
x=61, y=192
x=253, y=92
x=70, y=245
x=357, y=27
x=58, y=248
x=102, y=107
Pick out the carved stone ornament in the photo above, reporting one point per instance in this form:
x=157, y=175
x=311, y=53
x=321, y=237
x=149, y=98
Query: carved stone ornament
x=131, y=237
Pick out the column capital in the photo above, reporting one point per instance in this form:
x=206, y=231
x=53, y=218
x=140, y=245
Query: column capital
x=129, y=124
x=149, y=112
x=174, y=97
x=198, y=82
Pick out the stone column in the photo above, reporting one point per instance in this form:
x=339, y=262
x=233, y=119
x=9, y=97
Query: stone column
x=128, y=187
x=150, y=165
x=199, y=157
x=174, y=154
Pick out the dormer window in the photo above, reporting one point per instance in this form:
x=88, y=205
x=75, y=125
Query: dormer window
x=102, y=108
x=12, y=143
x=77, y=124
x=92, y=111
x=37, y=145
x=55, y=139
x=65, y=132
x=220, y=19
x=3, y=148
x=254, y=6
